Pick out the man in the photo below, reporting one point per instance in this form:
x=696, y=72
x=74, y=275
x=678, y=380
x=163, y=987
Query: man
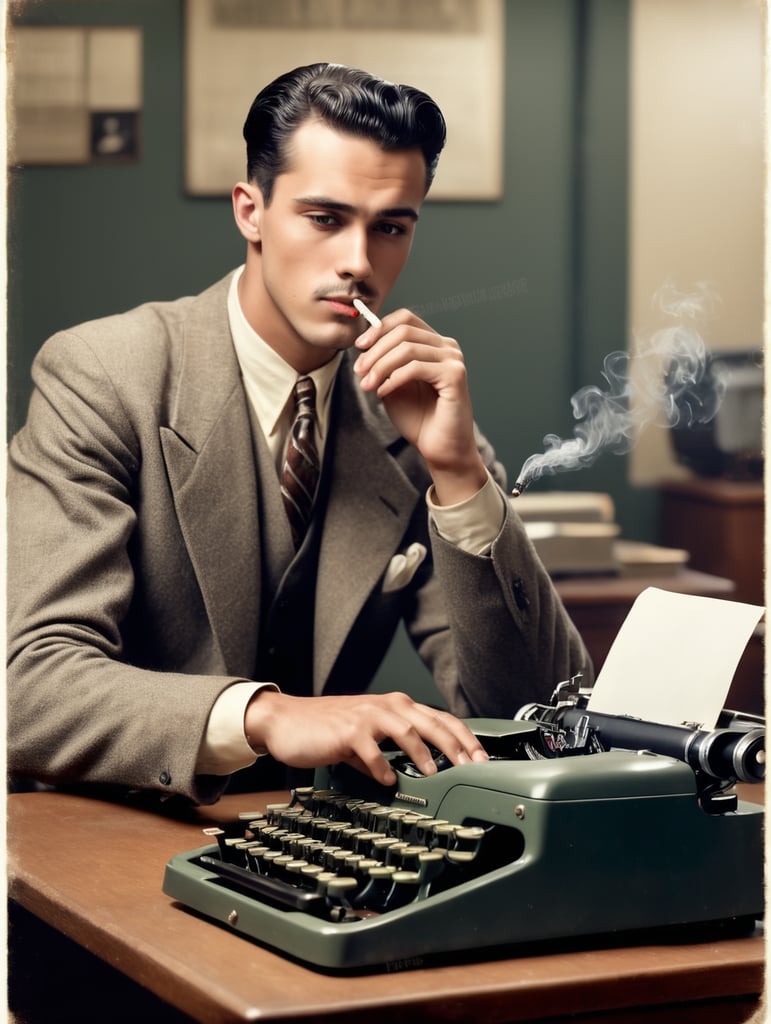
x=166, y=626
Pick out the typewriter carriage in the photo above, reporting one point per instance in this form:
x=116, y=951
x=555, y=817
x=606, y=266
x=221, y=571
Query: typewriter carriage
x=732, y=752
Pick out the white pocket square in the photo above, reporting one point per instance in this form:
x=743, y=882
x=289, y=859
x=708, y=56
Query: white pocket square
x=402, y=568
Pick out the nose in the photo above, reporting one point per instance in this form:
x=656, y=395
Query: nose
x=353, y=260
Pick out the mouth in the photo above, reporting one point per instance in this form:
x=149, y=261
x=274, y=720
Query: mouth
x=341, y=304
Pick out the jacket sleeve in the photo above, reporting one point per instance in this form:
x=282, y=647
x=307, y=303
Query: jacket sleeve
x=78, y=711
x=492, y=628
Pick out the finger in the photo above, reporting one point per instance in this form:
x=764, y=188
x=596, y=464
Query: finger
x=450, y=735
x=367, y=756
x=376, y=341
x=469, y=745
x=406, y=317
x=442, y=731
x=369, y=336
x=446, y=378
x=379, y=341
x=410, y=360
x=386, y=358
x=404, y=726
x=372, y=333
x=377, y=768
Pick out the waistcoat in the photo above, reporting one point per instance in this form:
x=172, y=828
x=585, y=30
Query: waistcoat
x=288, y=595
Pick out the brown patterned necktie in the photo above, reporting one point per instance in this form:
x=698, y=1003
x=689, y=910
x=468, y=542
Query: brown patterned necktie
x=300, y=472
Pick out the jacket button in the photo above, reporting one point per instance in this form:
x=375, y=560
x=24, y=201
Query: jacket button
x=165, y=778
x=523, y=601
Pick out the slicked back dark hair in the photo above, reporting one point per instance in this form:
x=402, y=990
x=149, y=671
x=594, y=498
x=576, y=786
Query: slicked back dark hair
x=349, y=100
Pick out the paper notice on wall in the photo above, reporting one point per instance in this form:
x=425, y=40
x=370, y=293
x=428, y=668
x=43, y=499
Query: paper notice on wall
x=674, y=658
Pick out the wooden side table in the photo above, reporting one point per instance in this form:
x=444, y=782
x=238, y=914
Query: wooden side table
x=721, y=523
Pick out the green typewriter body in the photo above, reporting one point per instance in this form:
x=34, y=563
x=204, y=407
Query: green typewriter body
x=555, y=838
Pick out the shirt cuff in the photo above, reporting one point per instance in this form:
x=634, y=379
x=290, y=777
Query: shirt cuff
x=473, y=524
x=224, y=748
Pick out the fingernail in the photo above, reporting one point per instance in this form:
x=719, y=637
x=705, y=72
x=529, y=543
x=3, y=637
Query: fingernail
x=429, y=768
x=480, y=755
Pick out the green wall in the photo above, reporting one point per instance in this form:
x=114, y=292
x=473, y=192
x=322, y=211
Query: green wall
x=533, y=286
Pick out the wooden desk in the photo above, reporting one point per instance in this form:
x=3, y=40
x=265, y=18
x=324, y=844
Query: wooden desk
x=93, y=870
x=598, y=606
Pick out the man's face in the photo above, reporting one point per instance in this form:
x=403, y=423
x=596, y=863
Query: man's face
x=339, y=226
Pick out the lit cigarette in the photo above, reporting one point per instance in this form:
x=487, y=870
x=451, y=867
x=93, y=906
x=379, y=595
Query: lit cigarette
x=368, y=315
x=518, y=488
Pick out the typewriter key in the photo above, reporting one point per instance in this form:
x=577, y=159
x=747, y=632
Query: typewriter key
x=293, y=869
x=317, y=827
x=469, y=839
x=408, y=857
x=424, y=831
x=379, y=847
x=280, y=865
x=431, y=866
x=308, y=876
x=322, y=855
x=254, y=859
x=303, y=794
x=250, y=815
x=362, y=843
x=379, y=816
x=406, y=885
x=444, y=835
x=393, y=851
x=340, y=889
x=377, y=889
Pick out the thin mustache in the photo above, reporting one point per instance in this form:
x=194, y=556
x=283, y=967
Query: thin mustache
x=345, y=293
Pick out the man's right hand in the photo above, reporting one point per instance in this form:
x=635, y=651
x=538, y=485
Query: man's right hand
x=310, y=732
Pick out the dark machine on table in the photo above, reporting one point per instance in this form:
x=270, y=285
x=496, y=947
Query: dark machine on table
x=581, y=825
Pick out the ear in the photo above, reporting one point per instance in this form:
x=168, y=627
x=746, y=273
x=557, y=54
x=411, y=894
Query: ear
x=247, y=210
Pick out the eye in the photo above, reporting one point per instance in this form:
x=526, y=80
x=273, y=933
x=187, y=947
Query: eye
x=388, y=228
x=324, y=220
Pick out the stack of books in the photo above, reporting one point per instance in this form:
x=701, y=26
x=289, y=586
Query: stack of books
x=575, y=533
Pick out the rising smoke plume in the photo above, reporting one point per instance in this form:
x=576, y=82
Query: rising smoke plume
x=663, y=381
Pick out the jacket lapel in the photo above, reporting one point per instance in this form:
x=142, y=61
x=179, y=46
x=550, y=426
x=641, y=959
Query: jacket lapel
x=369, y=508
x=211, y=465
x=210, y=461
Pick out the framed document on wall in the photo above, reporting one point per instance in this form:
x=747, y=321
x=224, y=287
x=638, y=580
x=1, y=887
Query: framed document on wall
x=452, y=49
x=76, y=94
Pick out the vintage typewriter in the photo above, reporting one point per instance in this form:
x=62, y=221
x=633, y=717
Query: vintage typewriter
x=581, y=825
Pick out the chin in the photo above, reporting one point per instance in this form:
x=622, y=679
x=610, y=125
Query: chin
x=335, y=337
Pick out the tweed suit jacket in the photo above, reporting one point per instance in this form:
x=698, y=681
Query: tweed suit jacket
x=134, y=568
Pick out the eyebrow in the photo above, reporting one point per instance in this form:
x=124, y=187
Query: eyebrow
x=333, y=204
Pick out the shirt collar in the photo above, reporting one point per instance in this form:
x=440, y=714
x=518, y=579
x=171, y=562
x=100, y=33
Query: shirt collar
x=268, y=378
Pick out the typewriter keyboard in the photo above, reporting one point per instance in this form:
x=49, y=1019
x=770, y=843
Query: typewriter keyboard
x=344, y=858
